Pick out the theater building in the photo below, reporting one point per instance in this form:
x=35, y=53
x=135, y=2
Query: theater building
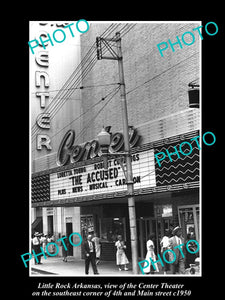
x=70, y=189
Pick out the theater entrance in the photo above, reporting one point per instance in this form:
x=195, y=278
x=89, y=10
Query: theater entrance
x=148, y=226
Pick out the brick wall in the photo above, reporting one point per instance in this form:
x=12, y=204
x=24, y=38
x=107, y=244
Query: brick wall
x=156, y=86
x=165, y=94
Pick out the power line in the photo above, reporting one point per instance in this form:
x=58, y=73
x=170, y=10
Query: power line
x=56, y=106
x=77, y=118
x=70, y=90
x=81, y=87
x=71, y=78
x=113, y=92
x=86, y=70
x=90, y=121
x=59, y=97
x=154, y=77
x=90, y=108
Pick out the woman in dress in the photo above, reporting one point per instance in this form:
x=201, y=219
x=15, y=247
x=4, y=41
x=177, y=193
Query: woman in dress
x=164, y=247
x=150, y=254
x=121, y=258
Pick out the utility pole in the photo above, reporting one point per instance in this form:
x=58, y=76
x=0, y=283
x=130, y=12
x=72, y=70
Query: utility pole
x=129, y=176
x=130, y=184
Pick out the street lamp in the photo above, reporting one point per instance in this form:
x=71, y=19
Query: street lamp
x=104, y=139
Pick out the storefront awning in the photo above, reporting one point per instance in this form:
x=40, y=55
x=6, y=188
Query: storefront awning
x=37, y=224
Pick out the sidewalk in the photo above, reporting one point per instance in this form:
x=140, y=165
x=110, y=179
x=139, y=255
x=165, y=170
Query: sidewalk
x=55, y=266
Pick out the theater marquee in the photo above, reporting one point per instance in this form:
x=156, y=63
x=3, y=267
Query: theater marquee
x=92, y=179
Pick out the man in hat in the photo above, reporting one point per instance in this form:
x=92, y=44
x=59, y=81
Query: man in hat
x=36, y=246
x=90, y=255
x=174, y=241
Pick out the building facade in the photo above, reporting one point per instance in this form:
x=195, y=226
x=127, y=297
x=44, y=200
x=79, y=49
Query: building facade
x=73, y=192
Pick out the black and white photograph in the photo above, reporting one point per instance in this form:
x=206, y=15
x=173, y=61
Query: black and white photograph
x=120, y=196
x=115, y=148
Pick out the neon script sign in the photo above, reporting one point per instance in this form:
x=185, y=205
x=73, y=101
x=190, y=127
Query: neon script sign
x=70, y=153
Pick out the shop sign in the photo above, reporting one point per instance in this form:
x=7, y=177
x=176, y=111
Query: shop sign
x=49, y=211
x=42, y=82
x=93, y=179
x=70, y=153
x=163, y=210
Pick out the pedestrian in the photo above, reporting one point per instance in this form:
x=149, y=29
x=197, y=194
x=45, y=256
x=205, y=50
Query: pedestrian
x=176, y=240
x=190, y=257
x=43, y=241
x=165, y=246
x=121, y=258
x=149, y=269
x=36, y=246
x=96, y=241
x=90, y=255
x=51, y=247
x=64, y=251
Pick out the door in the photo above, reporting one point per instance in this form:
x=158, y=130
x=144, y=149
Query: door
x=69, y=230
x=151, y=226
x=50, y=225
x=145, y=227
x=141, y=238
x=189, y=221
